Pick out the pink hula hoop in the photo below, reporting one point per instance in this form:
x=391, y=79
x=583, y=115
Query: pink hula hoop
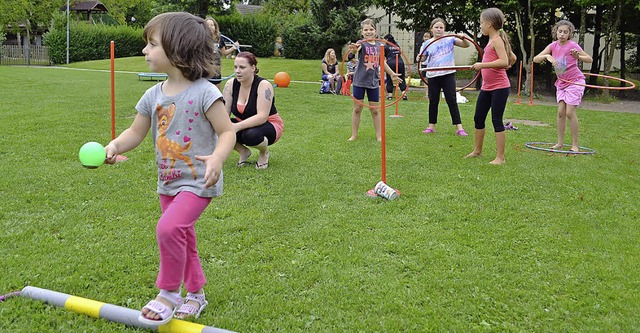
x=630, y=86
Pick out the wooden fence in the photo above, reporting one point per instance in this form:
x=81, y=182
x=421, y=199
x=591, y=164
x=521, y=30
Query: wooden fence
x=25, y=55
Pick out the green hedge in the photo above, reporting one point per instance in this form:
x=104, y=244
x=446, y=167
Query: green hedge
x=301, y=39
x=257, y=30
x=89, y=42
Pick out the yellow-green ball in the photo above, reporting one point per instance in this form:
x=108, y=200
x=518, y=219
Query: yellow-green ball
x=92, y=155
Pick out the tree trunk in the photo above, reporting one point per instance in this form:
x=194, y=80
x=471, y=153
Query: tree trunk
x=527, y=57
x=582, y=30
x=623, y=48
x=19, y=39
x=522, y=48
x=203, y=8
x=595, y=66
x=612, y=40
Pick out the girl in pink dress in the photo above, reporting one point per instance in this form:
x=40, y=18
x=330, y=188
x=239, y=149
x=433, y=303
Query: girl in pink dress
x=564, y=55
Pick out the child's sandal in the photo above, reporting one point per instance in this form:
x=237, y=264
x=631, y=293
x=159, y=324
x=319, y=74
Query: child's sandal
x=188, y=310
x=165, y=312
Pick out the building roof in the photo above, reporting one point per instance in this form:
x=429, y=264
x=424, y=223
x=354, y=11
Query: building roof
x=248, y=9
x=87, y=6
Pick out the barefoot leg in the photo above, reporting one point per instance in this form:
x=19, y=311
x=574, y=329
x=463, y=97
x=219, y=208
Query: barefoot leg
x=478, y=142
x=562, y=124
x=572, y=115
x=355, y=120
x=377, y=120
x=501, y=139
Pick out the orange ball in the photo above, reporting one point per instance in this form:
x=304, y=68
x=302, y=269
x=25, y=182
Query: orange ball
x=282, y=79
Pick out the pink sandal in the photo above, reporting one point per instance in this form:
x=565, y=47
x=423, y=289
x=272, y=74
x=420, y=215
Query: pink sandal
x=461, y=132
x=188, y=310
x=164, y=311
x=428, y=130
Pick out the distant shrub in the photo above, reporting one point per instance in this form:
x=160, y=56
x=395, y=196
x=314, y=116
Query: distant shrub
x=257, y=30
x=89, y=42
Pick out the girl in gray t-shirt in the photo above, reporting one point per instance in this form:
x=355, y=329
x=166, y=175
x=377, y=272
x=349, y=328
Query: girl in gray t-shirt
x=193, y=136
x=366, y=78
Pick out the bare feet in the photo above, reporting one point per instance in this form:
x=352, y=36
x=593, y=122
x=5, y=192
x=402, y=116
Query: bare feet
x=263, y=161
x=353, y=138
x=557, y=146
x=379, y=139
x=575, y=149
x=497, y=161
x=473, y=154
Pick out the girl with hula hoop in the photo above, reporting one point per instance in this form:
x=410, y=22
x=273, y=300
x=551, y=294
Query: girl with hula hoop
x=564, y=55
x=220, y=49
x=437, y=55
x=366, y=78
x=497, y=57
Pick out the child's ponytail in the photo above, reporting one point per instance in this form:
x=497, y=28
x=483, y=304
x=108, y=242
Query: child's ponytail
x=507, y=45
x=495, y=17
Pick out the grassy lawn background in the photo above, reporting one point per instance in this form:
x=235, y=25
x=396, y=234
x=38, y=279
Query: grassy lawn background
x=543, y=243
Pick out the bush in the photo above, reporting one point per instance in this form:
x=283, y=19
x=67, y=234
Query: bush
x=89, y=42
x=302, y=39
x=257, y=30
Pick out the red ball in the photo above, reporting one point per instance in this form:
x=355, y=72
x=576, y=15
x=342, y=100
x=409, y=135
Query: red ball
x=282, y=79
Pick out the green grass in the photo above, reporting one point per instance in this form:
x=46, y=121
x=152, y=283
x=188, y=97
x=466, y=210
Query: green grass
x=545, y=243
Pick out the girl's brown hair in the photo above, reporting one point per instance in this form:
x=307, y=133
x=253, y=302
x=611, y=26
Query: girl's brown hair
x=368, y=21
x=187, y=41
x=554, y=30
x=436, y=20
x=216, y=35
x=495, y=17
x=251, y=59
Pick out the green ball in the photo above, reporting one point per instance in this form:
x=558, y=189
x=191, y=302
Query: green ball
x=92, y=155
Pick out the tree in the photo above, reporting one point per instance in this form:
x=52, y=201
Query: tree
x=27, y=15
x=200, y=8
x=338, y=22
x=284, y=7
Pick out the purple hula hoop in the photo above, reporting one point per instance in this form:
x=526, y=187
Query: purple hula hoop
x=9, y=295
x=535, y=145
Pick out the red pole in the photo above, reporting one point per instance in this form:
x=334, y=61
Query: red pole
x=519, y=83
x=382, y=122
x=531, y=86
x=113, y=93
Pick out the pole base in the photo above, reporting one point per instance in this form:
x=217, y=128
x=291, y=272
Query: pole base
x=396, y=116
x=372, y=193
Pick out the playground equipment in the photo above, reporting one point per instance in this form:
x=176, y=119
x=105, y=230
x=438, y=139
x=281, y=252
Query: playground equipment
x=110, y=312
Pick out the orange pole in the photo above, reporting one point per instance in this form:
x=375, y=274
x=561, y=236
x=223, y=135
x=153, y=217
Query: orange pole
x=519, y=83
x=531, y=86
x=113, y=93
x=382, y=122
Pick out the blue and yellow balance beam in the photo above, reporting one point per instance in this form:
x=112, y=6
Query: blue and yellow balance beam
x=112, y=312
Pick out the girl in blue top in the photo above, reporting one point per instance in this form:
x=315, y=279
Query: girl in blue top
x=366, y=78
x=439, y=54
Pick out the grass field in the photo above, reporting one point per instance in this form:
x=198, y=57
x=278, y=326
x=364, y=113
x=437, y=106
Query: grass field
x=544, y=243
